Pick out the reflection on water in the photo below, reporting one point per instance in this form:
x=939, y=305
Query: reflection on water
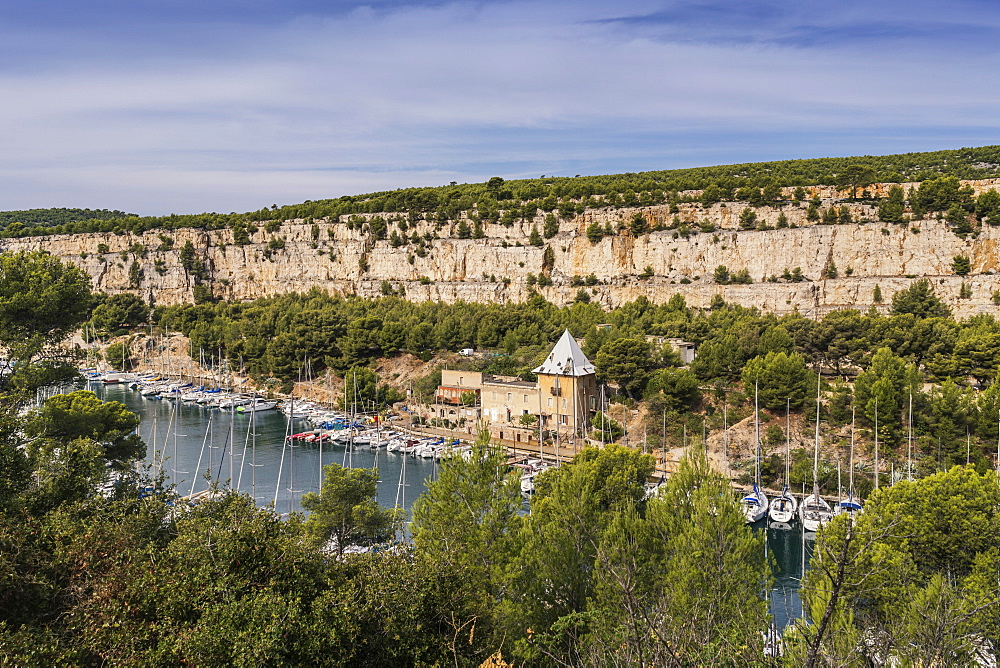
x=191, y=443
x=791, y=551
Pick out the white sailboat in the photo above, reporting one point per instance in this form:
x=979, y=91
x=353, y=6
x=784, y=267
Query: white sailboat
x=849, y=504
x=784, y=506
x=754, y=504
x=815, y=511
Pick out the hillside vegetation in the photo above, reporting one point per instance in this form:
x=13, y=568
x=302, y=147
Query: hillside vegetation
x=14, y=222
x=520, y=199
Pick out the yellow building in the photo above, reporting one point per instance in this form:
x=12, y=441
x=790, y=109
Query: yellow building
x=567, y=387
x=564, y=398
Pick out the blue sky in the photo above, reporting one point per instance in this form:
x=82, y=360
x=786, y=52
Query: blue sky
x=182, y=106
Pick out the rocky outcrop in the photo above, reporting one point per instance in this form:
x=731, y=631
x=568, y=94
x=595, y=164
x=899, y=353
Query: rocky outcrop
x=330, y=256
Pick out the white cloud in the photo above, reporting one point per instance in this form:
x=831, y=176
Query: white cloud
x=376, y=99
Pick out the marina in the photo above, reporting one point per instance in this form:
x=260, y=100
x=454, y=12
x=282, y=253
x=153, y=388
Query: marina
x=186, y=431
x=180, y=433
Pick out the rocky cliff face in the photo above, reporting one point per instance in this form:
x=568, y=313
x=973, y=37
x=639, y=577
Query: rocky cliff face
x=332, y=257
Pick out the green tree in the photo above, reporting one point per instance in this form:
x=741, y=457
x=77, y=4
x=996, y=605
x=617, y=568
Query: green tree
x=854, y=177
x=119, y=356
x=976, y=352
x=117, y=314
x=345, y=511
x=890, y=210
x=677, y=389
x=939, y=194
x=883, y=390
x=72, y=442
x=961, y=265
x=988, y=207
x=595, y=233
x=552, y=578
x=920, y=300
x=468, y=519
x=812, y=213
x=638, y=225
x=360, y=389
x=903, y=578
x=778, y=377
x=695, y=563
x=958, y=218
x=551, y=227
x=605, y=428
x=626, y=362
x=535, y=239
x=721, y=275
x=42, y=302
x=494, y=187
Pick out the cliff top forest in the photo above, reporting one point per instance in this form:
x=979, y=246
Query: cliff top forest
x=722, y=183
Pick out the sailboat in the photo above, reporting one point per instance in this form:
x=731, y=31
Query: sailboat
x=815, y=511
x=783, y=507
x=754, y=504
x=849, y=504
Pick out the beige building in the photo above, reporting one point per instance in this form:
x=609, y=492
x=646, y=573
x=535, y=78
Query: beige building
x=568, y=387
x=565, y=396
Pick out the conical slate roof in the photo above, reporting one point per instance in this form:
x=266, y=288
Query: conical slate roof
x=566, y=359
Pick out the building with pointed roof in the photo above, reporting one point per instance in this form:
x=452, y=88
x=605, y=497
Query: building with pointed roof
x=563, y=398
x=566, y=359
x=567, y=385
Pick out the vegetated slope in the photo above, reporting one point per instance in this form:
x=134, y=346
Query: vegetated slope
x=566, y=193
x=15, y=221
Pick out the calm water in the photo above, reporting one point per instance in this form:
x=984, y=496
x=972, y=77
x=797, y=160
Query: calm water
x=182, y=433
x=178, y=434
x=786, y=546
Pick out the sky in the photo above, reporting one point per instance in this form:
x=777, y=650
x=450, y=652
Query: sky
x=184, y=106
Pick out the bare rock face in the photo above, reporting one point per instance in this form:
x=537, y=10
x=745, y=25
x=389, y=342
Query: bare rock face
x=680, y=258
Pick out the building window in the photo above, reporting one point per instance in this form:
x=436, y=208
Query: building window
x=461, y=380
x=510, y=396
x=562, y=419
x=564, y=402
x=550, y=402
x=593, y=403
x=526, y=398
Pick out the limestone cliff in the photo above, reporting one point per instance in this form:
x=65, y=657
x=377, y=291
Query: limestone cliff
x=329, y=255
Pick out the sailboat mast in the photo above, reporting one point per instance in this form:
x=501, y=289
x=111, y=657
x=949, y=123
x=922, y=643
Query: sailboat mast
x=788, y=438
x=253, y=456
x=756, y=427
x=725, y=428
x=664, y=472
x=819, y=381
x=876, y=444
x=850, y=460
x=909, y=440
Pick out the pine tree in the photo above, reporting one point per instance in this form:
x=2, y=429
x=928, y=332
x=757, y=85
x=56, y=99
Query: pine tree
x=535, y=239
